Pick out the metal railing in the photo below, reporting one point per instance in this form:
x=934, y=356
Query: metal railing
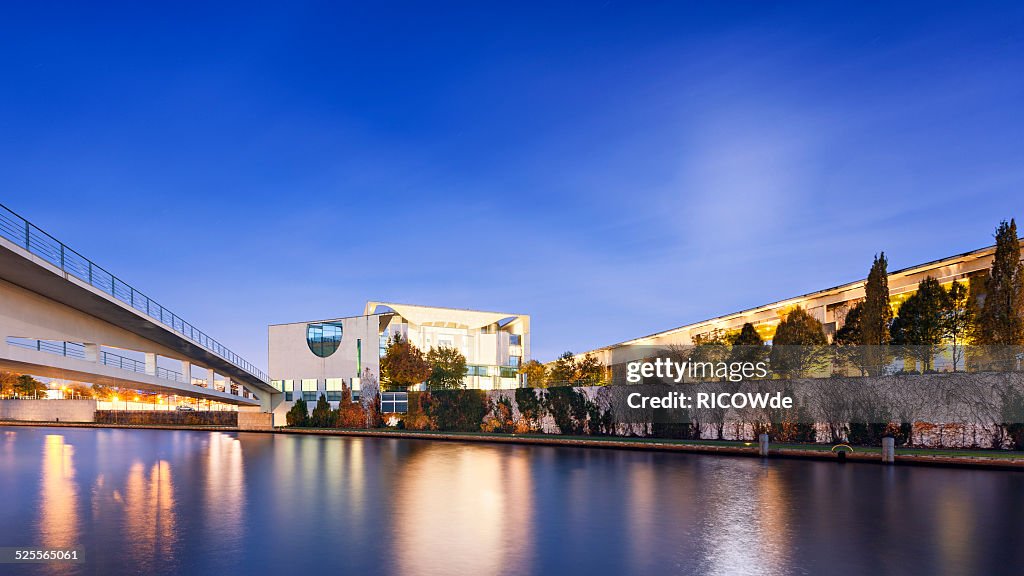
x=25, y=234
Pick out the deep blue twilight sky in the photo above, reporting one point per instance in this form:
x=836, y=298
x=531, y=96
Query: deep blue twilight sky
x=612, y=168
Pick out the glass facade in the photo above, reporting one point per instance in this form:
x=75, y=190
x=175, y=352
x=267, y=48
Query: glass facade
x=323, y=338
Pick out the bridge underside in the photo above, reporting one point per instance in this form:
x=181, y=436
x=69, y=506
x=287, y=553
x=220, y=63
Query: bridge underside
x=46, y=365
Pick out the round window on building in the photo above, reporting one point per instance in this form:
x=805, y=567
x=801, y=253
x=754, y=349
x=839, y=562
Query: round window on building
x=323, y=337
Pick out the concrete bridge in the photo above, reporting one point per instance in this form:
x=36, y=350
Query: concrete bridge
x=63, y=316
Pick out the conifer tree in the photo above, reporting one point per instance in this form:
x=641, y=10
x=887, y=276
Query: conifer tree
x=876, y=313
x=298, y=415
x=920, y=324
x=1000, y=321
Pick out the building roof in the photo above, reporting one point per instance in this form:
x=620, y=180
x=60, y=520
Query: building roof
x=433, y=315
x=950, y=260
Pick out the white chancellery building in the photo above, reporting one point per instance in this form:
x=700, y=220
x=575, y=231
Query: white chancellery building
x=307, y=359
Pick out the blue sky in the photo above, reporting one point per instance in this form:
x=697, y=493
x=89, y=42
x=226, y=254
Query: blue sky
x=612, y=169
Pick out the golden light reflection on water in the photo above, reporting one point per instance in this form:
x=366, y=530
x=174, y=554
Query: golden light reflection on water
x=462, y=510
x=149, y=514
x=58, y=519
x=225, y=486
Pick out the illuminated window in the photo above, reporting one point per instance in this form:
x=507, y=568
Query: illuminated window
x=333, y=388
x=323, y=337
x=287, y=386
x=309, y=389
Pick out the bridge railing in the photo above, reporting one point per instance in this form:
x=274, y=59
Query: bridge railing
x=31, y=238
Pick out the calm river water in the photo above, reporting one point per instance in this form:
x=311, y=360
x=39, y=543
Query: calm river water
x=199, y=503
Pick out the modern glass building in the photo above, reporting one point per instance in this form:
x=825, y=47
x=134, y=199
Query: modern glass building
x=321, y=356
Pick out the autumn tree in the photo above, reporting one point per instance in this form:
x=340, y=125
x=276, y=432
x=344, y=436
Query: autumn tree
x=799, y=344
x=534, y=374
x=403, y=364
x=448, y=368
x=567, y=370
x=350, y=414
x=7, y=383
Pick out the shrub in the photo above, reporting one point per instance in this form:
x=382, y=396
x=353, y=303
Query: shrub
x=531, y=410
x=457, y=410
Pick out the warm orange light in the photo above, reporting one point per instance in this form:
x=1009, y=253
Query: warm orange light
x=115, y=398
x=136, y=398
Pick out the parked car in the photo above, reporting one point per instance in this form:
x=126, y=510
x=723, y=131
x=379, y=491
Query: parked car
x=185, y=409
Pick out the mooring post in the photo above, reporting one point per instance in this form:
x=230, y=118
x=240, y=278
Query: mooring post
x=762, y=444
x=888, y=450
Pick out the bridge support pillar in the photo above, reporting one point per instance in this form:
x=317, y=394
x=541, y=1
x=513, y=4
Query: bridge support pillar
x=186, y=372
x=92, y=352
x=212, y=382
x=227, y=385
x=151, y=364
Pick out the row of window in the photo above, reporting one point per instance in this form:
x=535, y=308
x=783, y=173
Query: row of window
x=309, y=389
x=503, y=371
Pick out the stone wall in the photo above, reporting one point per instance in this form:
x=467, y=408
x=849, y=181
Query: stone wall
x=48, y=410
x=255, y=420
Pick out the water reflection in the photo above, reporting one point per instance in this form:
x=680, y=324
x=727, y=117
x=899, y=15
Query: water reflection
x=174, y=502
x=462, y=510
x=58, y=496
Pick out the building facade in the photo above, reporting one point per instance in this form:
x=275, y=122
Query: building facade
x=317, y=357
x=828, y=306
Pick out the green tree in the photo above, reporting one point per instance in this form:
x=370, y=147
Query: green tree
x=1000, y=321
x=799, y=344
x=958, y=325
x=875, y=317
x=403, y=365
x=298, y=415
x=26, y=385
x=323, y=416
x=448, y=368
x=876, y=314
x=920, y=324
x=534, y=374
x=747, y=346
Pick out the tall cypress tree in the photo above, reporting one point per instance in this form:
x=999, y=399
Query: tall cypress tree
x=1000, y=321
x=876, y=315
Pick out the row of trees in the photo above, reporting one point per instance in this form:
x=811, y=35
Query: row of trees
x=988, y=311
x=405, y=365
x=22, y=385
x=567, y=370
x=348, y=414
